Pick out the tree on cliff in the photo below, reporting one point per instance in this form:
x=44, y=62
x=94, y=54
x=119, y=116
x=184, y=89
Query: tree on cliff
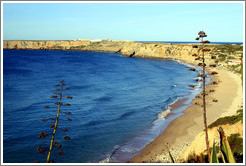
x=202, y=34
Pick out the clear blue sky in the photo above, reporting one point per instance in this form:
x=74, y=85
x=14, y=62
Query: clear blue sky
x=126, y=21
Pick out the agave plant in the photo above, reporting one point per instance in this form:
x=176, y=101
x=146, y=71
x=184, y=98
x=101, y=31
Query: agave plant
x=169, y=153
x=227, y=155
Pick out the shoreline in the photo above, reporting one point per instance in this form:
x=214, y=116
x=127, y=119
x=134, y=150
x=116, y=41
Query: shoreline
x=181, y=132
x=171, y=112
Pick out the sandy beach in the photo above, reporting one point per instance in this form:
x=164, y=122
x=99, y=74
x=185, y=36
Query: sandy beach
x=181, y=132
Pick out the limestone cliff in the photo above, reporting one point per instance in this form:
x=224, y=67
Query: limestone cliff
x=129, y=49
x=43, y=44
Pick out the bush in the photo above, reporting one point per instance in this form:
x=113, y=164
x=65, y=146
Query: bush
x=228, y=119
x=236, y=143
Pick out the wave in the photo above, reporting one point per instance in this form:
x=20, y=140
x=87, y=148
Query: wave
x=80, y=87
x=163, y=114
x=103, y=98
x=99, y=122
x=125, y=115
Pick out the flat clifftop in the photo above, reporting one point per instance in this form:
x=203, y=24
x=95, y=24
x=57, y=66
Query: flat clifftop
x=42, y=44
x=126, y=48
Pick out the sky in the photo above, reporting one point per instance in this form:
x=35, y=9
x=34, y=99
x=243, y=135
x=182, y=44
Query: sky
x=222, y=22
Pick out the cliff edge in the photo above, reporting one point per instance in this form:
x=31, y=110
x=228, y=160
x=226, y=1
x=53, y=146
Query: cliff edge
x=129, y=49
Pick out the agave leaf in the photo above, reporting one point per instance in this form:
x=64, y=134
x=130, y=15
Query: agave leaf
x=214, y=158
x=223, y=158
x=225, y=147
x=171, y=156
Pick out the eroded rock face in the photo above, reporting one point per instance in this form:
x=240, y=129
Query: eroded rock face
x=42, y=44
x=128, y=49
x=147, y=50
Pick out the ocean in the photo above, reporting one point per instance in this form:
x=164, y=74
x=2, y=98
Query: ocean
x=116, y=106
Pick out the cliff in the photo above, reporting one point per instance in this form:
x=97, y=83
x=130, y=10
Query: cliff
x=129, y=49
x=198, y=146
x=43, y=44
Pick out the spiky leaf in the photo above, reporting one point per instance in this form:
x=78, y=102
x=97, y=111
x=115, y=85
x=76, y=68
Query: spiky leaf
x=171, y=156
x=225, y=147
x=214, y=158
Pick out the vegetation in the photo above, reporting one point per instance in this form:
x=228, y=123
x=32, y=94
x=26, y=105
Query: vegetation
x=225, y=51
x=57, y=47
x=227, y=155
x=202, y=34
x=236, y=143
x=53, y=144
x=228, y=119
x=242, y=74
x=235, y=68
x=77, y=47
x=228, y=150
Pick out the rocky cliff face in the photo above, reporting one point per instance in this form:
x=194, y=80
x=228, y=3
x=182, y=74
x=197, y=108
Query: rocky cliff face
x=147, y=50
x=128, y=49
x=183, y=52
x=42, y=44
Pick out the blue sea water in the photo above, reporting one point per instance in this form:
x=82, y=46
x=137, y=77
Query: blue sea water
x=116, y=103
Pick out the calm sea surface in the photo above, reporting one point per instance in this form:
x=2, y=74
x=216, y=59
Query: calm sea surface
x=116, y=100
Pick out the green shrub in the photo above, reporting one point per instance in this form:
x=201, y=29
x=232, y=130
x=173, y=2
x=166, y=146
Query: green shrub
x=77, y=47
x=236, y=143
x=228, y=119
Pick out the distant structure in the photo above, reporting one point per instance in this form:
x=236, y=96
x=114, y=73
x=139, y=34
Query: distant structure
x=81, y=40
x=96, y=40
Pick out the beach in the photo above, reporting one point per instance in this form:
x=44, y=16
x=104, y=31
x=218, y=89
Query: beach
x=178, y=135
x=182, y=131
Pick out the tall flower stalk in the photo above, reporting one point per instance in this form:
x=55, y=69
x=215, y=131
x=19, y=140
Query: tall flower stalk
x=55, y=127
x=58, y=94
x=202, y=34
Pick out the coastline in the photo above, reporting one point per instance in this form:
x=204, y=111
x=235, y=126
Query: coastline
x=172, y=111
x=181, y=132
